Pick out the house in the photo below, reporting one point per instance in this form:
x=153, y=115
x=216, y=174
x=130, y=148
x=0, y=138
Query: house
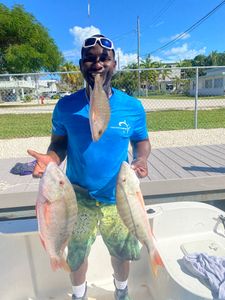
x=212, y=83
x=20, y=88
x=164, y=79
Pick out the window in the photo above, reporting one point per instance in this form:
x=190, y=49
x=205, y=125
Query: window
x=218, y=82
x=208, y=83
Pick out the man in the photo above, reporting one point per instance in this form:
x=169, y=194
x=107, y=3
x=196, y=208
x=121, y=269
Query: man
x=93, y=166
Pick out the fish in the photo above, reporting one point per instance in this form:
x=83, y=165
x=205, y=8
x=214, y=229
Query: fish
x=56, y=211
x=131, y=208
x=99, y=113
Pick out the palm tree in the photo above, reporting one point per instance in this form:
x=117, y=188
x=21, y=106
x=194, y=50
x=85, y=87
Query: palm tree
x=200, y=60
x=72, y=78
x=164, y=75
x=149, y=77
x=212, y=58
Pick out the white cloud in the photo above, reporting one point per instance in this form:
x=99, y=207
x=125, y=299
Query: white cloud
x=124, y=59
x=182, y=52
x=155, y=58
x=71, y=54
x=80, y=34
x=177, y=50
x=183, y=36
x=173, y=37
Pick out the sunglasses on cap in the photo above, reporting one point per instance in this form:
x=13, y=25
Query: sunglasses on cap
x=104, y=42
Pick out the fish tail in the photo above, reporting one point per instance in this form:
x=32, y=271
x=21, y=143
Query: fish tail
x=154, y=266
x=157, y=258
x=59, y=263
x=155, y=261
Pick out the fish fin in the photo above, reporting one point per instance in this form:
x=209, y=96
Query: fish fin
x=59, y=263
x=154, y=266
x=155, y=261
x=42, y=241
x=141, y=200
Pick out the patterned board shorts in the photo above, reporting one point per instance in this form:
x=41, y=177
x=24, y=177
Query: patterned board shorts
x=94, y=217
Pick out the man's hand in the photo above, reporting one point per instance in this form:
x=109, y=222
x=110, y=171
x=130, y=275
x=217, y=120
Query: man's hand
x=42, y=161
x=141, y=151
x=140, y=167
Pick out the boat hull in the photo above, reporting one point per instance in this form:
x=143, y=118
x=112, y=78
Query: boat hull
x=26, y=271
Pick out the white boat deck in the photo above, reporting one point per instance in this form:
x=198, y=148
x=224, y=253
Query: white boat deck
x=25, y=265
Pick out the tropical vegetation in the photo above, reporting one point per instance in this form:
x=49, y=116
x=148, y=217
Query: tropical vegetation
x=25, y=45
x=71, y=78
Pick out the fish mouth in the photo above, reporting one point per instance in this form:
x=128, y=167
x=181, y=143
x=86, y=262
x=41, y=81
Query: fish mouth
x=94, y=74
x=97, y=73
x=101, y=76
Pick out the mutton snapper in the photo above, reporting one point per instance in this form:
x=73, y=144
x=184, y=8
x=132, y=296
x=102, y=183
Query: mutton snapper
x=56, y=209
x=131, y=208
x=99, y=113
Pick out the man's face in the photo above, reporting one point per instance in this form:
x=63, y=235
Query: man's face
x=98, y=60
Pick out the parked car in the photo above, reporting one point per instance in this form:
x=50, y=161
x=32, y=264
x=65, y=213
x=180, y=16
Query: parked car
x=63, y=94
x=60, y=95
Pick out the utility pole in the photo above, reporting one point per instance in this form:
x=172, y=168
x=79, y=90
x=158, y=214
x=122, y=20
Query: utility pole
x=118, y=60
x=89, y=8
x=138, y=54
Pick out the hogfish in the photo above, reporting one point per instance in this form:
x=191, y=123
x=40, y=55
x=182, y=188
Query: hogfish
x=131, y=208
x=56, y=210
x=99, y=113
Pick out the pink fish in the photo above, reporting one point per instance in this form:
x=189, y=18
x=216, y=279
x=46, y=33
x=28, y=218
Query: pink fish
x=131, y=208
x=99, y=113
x=56, y=210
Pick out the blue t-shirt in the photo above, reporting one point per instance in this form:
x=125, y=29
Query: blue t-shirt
x=95, y=165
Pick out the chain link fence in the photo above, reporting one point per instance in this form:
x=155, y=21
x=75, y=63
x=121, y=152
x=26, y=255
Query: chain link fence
x=173, y=97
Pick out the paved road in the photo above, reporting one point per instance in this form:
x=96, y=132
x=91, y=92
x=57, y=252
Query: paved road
x=27, y=109
x=149, y=105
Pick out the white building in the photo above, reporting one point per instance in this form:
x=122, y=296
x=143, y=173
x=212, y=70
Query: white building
x=210, y=84
x=14, y=88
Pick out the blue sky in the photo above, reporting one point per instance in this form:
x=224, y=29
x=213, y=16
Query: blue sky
x=68, y=24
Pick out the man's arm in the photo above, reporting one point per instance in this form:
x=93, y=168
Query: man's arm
x=57, y=151
x=141, y=151
x=58, y=148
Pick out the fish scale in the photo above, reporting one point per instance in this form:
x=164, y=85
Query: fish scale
x=99, y=113
x=131, y=208
x=56, y=209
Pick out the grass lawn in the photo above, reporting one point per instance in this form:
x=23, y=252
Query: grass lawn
x=177, y=119
x=34, y=125
x=24, y=125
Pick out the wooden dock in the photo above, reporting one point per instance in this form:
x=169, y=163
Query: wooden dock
x=194, y=173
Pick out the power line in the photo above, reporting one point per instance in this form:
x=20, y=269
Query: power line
x=191, y=28
x=155, y=19
x=161, y=12
x=89, y=8
x=119, y=37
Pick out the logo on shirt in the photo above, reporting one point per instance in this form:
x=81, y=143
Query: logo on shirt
x=122, y=126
